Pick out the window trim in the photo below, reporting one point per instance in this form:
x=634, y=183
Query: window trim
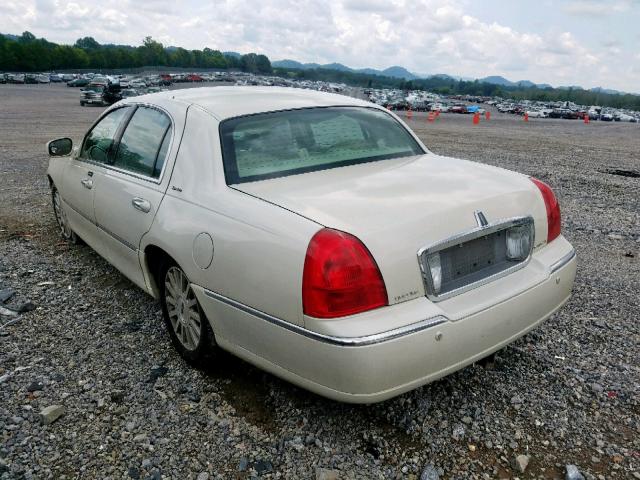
x=312, y=168
x=118, y=137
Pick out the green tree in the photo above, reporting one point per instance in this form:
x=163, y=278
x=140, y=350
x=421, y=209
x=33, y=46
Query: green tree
x=87, y=43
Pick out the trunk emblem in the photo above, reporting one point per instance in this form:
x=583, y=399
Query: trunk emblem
x=481, y=220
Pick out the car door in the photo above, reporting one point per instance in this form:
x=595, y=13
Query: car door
x=83, y=171
x=130, y=190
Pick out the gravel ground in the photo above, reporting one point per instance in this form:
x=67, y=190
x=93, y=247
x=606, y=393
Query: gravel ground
x=92, y=343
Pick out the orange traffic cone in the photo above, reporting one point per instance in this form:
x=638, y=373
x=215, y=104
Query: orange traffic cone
x=476, y=118
x=586, y=118
x=487, y=115
x=526, y=117
x=431, y=117
x=409, y=114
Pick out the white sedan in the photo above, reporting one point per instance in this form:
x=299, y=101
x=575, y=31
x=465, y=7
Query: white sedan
x=313, y=235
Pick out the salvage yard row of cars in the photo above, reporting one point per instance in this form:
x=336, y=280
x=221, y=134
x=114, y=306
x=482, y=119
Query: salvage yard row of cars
x=124, y=86
x=426, y=101
x=313, y=235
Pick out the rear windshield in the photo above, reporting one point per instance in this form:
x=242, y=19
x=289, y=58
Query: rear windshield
x=278, y=144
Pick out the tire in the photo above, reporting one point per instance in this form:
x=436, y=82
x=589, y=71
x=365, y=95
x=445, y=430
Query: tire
x=188, y=327
x=61, y=217
x=81, y=103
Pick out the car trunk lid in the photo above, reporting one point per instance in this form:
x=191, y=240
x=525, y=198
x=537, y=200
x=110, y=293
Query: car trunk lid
x=396, y=207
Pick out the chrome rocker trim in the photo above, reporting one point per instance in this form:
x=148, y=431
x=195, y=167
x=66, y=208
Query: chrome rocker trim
x=339, y=341
x=563, y=261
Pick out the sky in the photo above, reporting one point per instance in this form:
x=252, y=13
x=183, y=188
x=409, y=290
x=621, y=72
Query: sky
x=563, y=42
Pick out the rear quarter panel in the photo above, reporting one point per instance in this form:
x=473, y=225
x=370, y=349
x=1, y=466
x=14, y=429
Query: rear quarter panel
x=259, y=248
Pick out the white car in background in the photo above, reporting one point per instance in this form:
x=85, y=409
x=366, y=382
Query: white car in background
x=313, y=235
x=536, y=114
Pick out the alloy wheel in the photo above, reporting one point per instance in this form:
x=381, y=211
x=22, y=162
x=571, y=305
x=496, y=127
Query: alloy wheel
x=61, y=216
x=182, y=308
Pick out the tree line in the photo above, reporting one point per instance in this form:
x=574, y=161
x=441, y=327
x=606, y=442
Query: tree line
x=27, y=53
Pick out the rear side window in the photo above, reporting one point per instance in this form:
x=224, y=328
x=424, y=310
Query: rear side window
x=144, y=143
x=277, y=144
x=99, y=141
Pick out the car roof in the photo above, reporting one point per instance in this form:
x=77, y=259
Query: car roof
x=228, y=102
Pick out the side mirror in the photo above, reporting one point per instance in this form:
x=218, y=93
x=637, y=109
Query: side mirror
x=60, y=147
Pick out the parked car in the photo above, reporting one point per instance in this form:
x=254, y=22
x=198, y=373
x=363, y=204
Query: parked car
x=313, y=235
x=92, y=94
x=78, y=82
x=99, y=94
x=536, y=114
x=128, y=92
x=55, y=78
x=137, y=83
x=16, y=78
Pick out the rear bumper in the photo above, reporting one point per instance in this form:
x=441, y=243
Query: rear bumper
x=377, y=366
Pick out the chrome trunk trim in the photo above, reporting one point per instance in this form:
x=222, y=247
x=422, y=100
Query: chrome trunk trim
x=465, y=237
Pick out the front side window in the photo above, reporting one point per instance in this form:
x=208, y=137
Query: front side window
x=144, y=143
x=277, y=144
x=100, y=140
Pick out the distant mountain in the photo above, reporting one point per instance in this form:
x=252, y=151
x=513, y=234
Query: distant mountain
x=399, y=72
x=292, y=64
x=336, y=66
x=369, y=71
x=10, y=37
x=606, y=90
x=442, y=76
x=231, y=54
x=569, y=87
x=497, y=80
x=395, y=71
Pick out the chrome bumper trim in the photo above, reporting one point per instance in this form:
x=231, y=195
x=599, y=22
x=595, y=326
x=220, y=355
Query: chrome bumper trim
x=339, y=341
x=563, y=261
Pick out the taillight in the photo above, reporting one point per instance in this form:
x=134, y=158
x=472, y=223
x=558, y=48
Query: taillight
x=340, y=277
x=553, y=209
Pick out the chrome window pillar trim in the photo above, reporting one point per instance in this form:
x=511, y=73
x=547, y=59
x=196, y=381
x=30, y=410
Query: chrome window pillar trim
x=462, y=237
x=563, y=261
x=329, y=339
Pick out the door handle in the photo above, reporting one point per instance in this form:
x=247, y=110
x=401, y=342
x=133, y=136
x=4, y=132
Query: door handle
x=141, y=204
x=87, y=183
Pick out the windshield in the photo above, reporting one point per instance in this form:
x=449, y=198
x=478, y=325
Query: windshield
x=278, y=144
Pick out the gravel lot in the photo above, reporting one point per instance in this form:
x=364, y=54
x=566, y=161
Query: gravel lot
x=567, y=394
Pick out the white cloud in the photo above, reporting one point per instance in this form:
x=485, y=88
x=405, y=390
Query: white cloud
x=431, y=36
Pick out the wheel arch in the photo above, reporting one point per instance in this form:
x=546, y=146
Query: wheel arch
x=154, y=258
